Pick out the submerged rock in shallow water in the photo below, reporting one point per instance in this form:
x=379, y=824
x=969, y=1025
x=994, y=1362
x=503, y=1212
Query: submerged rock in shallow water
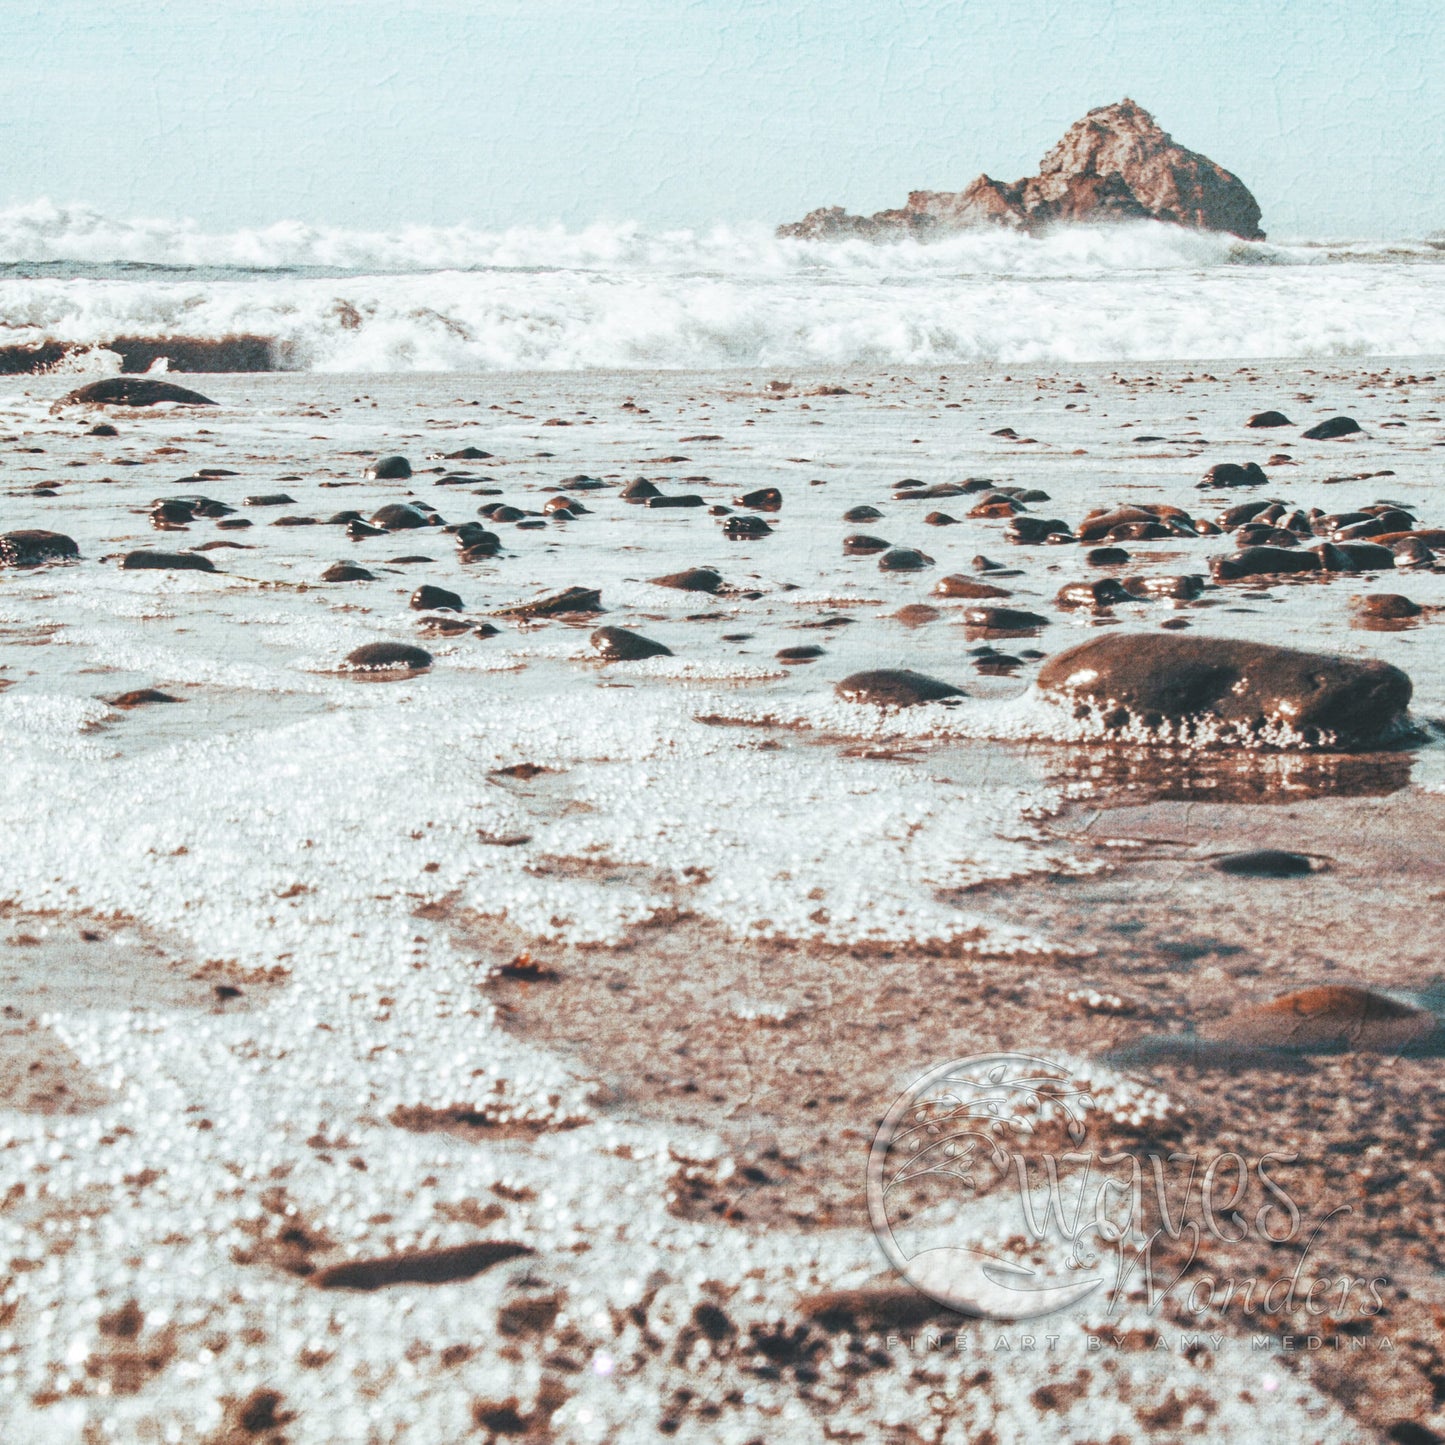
x=618, y=644
x=30, y=549
x=895, y=687
x=1243, y=690
x=379, y=656
x=133, y=391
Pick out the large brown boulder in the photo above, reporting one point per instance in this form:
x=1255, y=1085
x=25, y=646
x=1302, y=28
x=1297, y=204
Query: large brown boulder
x=1238, y=691
x=1115, y=164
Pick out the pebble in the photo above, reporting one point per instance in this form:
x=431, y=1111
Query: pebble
x=378, y=656
x=956, y=586
x=904, y=559
x=691, y=579
x=31, y=548
x=894, y=687
x=389, y=469
x=427, y=598
x=555, y=604
x=133, y=391
x=1335, y=426
x=1003, y=619
x=170, y=561
x=399, y=517
x=618, y=644
x=1265, y=863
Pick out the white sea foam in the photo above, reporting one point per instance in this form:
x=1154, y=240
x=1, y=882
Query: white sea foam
x=620, y=296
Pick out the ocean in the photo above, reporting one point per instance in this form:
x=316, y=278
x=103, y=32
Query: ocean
x=76, y=284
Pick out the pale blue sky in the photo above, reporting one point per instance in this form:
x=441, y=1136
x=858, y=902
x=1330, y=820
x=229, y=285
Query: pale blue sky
x=386, y=112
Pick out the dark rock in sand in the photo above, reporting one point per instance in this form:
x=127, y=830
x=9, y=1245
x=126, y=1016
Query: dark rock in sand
x=889, y=687
x=763, y=499
x=234, y=524
x=862, y=514
x=1367, y=556
x=500, y=512
x=166, y=561
x=691, y=579
x=686, y=499
x=467, y=454
x=269, y=499
x=376, y=656
x=1234, y=474
x=102, y=429
x=639, y=491
x=420, y=1266
x=31, y=548
x=1269, y=418
x=1387, y=605
x=940, y=519
x=571, y=599
x=1265, y=863
x=389, y=469
x=1336, y=426
x=400, y=517
x=792, y=655
x=860, y=544
x=1242, y=686
x=1003, y=619
x=1183, y=588
x=360, y=531
x=427, y=598
x=956, y=586
x=166, y=516
x=904, y=559
x=340, y=519
x=347, y=572
x=1032, y=530
x=1238, y=515
x=1106, y=557
x=618, y=644
x=1106, y=592
x=133, y=391
x=1262, y=562
x=140, y=697
x=1328, y=1019
x=743, y=529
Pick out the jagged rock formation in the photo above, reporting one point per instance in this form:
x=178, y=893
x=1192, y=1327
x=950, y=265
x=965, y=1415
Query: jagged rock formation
x=1115, y=164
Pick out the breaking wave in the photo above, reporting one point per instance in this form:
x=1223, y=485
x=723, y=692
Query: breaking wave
x=78, y=288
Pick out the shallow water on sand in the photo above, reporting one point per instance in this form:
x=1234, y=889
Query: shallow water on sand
x=364, y=845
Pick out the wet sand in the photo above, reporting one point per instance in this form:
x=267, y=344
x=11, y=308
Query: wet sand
x=623, y=964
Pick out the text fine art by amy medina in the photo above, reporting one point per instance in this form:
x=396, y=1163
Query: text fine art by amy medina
x=722, y=723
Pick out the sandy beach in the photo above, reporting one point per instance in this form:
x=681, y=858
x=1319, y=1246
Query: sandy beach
x=496, y=1048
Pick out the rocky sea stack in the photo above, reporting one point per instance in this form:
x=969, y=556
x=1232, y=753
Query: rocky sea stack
x=1115, y=164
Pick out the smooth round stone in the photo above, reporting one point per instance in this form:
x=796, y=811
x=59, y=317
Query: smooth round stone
x=427, y=598
x=389, y=469
x=1106, y=592
x=860, y=544
x=895, y=687
x=31, y=548
x=862, y=514
x=793, y=655
x=134, y=391
x=691, y=579
x=904, y=559
x=619, y=644
x=1335, y=426
x=399, y=517
x=166, y=561
x=1265, y=863
x=347, y=572
x=763, y=499
x=1106, y=557
x=1003, y=619
x=379, y=656
x=1388, y=605
x=741, y=529
x=1269, y=418
x=956, y=586
x=639, y=491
